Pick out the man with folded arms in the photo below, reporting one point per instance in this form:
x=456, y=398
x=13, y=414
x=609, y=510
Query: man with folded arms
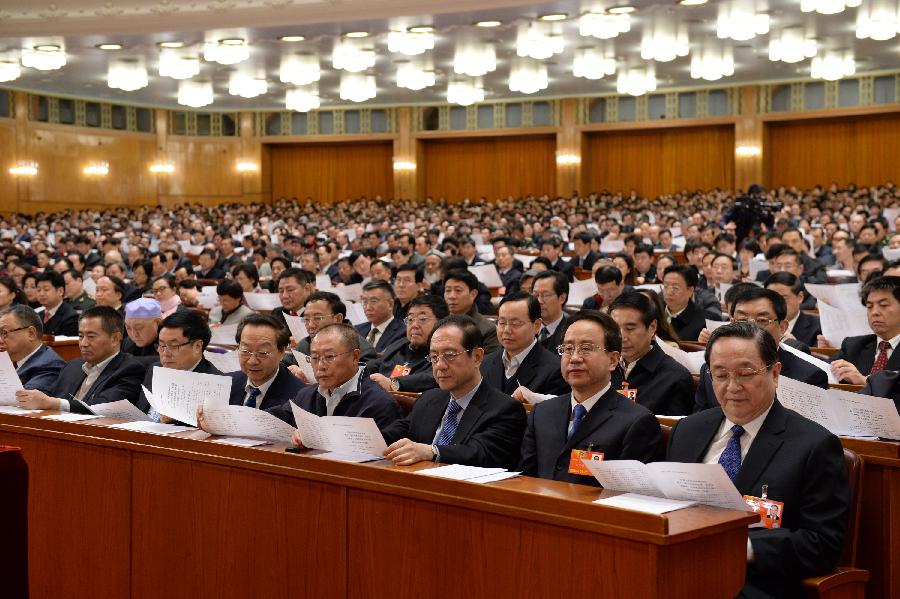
x=102, y=374
x=341, y=390
x=465, y=421
x=21, y=336
x=594, y=417
x=522, y=364
x=769, y=451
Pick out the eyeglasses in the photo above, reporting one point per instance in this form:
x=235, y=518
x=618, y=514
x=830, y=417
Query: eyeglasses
x=742, y=376
x=259, y=355
x=372, y=301
x=570, y=349
x=763, y=322
x=327, y=358
x=513, y=324
x=543, y=297
x=5, y=334
x=158, y=290
x=447, y=356
x=422, y=320
x=313, y=319
x=172, y=348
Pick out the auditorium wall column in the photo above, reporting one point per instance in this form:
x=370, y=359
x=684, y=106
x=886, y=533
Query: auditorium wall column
x=749, y=140
x=251, y=151
x=568, y=149
x=161, y=116
x=408, y=182
x=23, y=149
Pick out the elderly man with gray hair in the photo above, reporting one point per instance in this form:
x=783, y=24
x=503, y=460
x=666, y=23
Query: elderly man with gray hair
x=21, y=336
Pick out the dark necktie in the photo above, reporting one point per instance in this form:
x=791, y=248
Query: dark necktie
x=579, y=413
x=731, y=457
x=450, y=423
x=372, y=334
x=882, y=357
x=544, y=334
x=254, y=393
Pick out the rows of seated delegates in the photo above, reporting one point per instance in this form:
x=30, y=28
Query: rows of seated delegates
x=574, y=308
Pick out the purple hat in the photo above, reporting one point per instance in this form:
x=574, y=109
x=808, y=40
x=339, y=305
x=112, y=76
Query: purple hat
x=144, y=307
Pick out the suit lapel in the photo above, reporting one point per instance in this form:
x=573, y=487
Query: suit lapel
x=528, y=369
x=763, y=449
x=104, y=376
x=696, y=446
x=431, y=421
x=600, y=413
x=472, y=414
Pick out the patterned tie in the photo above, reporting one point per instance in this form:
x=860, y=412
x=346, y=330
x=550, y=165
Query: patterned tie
x=882, y=357
x=46, y=315
x=250, y=402
x=450, y=423
x=544, y=334
x=579, y=414
x=372, y=334
x=731, y=457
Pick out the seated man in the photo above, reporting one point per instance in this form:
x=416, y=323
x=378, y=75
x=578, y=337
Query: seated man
x=552, y=249
x=460, y=292
x=803, y=327
x=59, y=318
x=505, y=261
x=865, y=355
x=294, y=287
x=465, y=421
x=764, y=447
x=102, y=374
x=404, y=365
x=523, y=364
x=769, y=311
x=407, y=281
x=382, y=329
x=142, y=317
x=111, y=292
x=76, y=296
x=263, y=381
x=341, y=390
x=594, y=417
x=551, y=290
x=21, y=336
x=610, y=285
x=686, y=317
x=231, y=309
x=652, y=378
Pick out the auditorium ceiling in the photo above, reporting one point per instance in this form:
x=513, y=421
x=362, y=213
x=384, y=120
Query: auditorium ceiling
x=671, y=35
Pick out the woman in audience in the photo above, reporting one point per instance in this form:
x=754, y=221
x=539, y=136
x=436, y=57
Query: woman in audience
x=279, y=264
x=141, y=271
x=9, y=293
x=749, y=249
x=29, y=287
x=247, y=277
x=165, y=292
x=625, y=263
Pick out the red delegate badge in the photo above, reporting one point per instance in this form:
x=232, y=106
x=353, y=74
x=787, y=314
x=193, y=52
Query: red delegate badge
x=576, y=466
x=400, y=370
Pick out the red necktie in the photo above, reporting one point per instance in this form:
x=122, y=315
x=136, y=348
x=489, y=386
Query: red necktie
x=46, y=315
x=882, y=357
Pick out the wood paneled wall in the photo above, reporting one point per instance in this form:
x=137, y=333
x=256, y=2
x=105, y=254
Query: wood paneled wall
x=332, y=172
x=490, y=167
x=9, y=198
x=659, y=161
x=863, y=150
x=204, y=168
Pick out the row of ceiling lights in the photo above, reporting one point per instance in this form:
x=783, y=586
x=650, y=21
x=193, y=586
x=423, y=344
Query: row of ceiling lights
x=30, y=168
x=664, y=39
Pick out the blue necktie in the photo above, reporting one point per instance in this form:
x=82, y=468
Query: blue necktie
x=250, y=402
x=579, y=413
x=731, y=457
x=450, y=423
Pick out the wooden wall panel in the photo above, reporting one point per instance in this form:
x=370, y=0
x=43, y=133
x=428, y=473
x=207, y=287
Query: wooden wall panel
x=9, y=199
x=332, y=172
x=659, y=161
x=490, y=167
x=863, y=150
x=204, y=168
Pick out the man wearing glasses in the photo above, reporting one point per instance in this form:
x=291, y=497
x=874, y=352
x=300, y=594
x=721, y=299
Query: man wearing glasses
x=404, y=365
x=523, y=364
x=464, y=421
x=594, y=418
x=378, y=303
x=142, y=318
x=769, y=451
x=21, y=336
x=768, y=310
x=551, y=290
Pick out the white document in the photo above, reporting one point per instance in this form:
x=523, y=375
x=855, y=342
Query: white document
x=693, y=361
x=612, y=246
x=305, y=365
x=535, y=398
x=224, y=335
x=262, y=301
x=323, y=283
x=70, y=417
x=756, y=266
x=487, y=274
x=580, y=291
x=341, y=434
x=644, y=503
x=157, y=428
x=297, y=326
x=242, y=421
x=890, y=254
x=525, y=259
x=348, y=293
x=712, y=325
x=845, y=295
x=486, y=251
x=123, y=409
x=177, y=393
x=820, y=364
x=355, y=313
x=227, y=362
x=208, y=301
x=9, y=381
x=891, y=215
x=90, y=286
x=841, y=412
x=353, y=458
x=840, y=323
x=17, y=411
x=651, y=286
x=240, y=441
x=841, y=272
x=460, y=472
x=492, y=478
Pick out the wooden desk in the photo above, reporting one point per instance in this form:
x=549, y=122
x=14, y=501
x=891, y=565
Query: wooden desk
x=121, y=514
x=68, y=350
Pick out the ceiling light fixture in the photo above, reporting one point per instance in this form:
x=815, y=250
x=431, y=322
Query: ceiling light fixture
x=233, y=41
x=603, y=26
x=712, y=62
x=300, y=69
x=554, y=17
x=47, y=48
x=177, y=65
x=172, y=44
x=465, y=92
x=528, y=76
x=43, y=58
x=292, y=38
x=636, y=82
x=664, y=39
x=488, y=24
x=827, y=7
x=357, y=87
x=421, y=29
x=227, y=51
x=127, y=74
x=415, y=75
x=109, y=46
x=742, y=20
x=474, y=58
x=195, y=94
x=303, y=99
x=357, y=34
x=538, y=40
x=692, y=2
x=351, y=55
x=791, y=44
x=246, y=85
x=410, y=43
x=622, y=9
x=10, y=68
x=878, y=20
x=833, y=65
x=593, y=63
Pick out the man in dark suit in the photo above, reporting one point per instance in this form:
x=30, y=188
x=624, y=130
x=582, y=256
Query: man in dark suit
x=552, y=249
x=207, y=268
x=686, y=317
x=645, y=372
x=21, y=336
x=865, y=355
x=341, y=388
x=465, y=421
x=102, y=374
x=294, y=287
x=765, y=448
x=644, y=269
x=768, y=310
x=504, y=260
x=884, y=384
x=812, y=271
x=460, y=292
x=522, y=364
x=585, y=257
x=263, y=381
x=594, y=417
x=803, y=327
x=383, y=329
x=142, y=318
x=59, y=317
x=552, y=291
x=610, y=285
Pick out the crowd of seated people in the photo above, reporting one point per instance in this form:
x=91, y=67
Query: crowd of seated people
x=394, y=299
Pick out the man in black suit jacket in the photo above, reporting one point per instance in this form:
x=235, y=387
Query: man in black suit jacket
x=645, y=372
x=803, y=327
x=102, y=374
x=552, y=291
x=884, y=384
x=522, y=363
x=865, y=355
x=382, y=329
x=21, y=336
x=465, y=421
x=585, y=257
x=594, y=417
x=59, y=317
x=686, y=317
x=775, y=450
x=509, y=273
x=207, y=268
x=552, y=249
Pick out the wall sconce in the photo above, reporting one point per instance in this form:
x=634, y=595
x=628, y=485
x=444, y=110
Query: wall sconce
x=748, y=151
x=568, y=159
x=162, y=168
x=404, y=165
x=24, y=168
x=247, y=167
x=97, y=169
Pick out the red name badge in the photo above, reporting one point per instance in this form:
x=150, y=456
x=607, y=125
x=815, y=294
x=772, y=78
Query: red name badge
x=576, y=466
x=400, y=370
x=770, y=511
x=629, y=393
